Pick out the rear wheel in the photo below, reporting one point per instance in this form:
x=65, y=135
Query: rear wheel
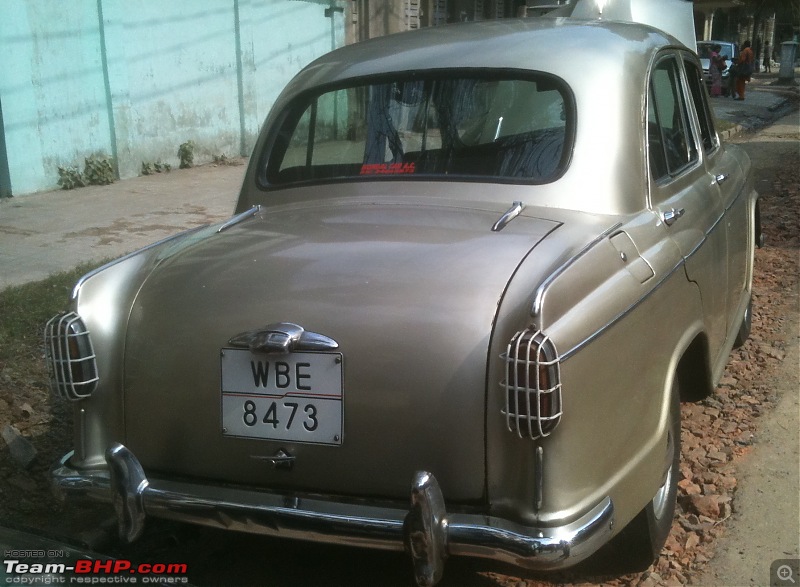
x=639, y=544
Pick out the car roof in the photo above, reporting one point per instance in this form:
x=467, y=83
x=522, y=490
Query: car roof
x=604, y=63
x=540, y=44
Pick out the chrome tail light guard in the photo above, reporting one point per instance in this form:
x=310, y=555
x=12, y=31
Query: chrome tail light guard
x=532, y=385
x=70, y=357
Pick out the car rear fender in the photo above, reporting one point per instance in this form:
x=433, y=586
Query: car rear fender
x=103, y=299
x=610, y=437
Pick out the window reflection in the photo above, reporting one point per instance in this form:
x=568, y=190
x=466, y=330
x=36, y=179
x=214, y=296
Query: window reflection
x=484, y=127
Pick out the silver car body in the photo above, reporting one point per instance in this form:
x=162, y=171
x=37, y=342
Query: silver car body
x=637, y=283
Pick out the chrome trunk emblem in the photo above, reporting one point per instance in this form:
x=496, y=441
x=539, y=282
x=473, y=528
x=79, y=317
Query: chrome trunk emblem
x=283, y=337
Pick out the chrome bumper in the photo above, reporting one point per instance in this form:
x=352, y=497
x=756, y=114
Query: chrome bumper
x=426, y=530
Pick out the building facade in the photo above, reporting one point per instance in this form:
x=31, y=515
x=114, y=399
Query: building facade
x=130, y=82
x=371, y=18
x=766, y=24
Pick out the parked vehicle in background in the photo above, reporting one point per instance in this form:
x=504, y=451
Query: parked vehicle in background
x=728, y=50
x=442, y=320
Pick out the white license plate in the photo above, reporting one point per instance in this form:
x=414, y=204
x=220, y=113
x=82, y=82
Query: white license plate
x=295, y=397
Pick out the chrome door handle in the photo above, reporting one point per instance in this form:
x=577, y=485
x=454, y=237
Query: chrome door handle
x=670, y=216
x=720, y=179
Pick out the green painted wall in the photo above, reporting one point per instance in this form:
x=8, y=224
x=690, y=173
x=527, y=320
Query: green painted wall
x=133, y=80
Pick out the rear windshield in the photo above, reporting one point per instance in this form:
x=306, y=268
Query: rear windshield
x=472, y=127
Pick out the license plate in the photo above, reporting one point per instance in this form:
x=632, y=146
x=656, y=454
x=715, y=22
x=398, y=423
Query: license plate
x=295, y=397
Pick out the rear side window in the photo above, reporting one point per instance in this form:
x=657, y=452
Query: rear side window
x=671, y=144
x=508, y=128
x=701, y=106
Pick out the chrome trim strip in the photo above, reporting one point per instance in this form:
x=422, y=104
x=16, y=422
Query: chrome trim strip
x=84, y=441
x=538, y=479
x=509, y=215
x=741, y=193
x=233, y=221
x=227, y=224
x=716, y=224
x=703, y=240
x=321, y=520
x=94, y=272
x=537, y=301
x=566, y=355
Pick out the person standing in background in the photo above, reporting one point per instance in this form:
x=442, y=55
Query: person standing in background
x=744, y=69
x=716, y=65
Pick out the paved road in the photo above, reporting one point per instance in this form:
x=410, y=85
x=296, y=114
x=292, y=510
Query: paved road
x=764, y=102
x=44, y=233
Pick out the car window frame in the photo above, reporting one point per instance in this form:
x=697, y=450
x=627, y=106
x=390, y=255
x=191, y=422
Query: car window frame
x=706, y=114
x=685, y=97
x=297, y=104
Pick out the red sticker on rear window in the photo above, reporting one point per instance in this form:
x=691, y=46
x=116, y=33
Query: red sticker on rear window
x=387, y=168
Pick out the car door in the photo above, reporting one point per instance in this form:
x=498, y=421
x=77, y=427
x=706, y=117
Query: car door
x=683, y=194
x=725, y=174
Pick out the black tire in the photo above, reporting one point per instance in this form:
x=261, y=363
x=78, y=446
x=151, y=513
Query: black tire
x=745, y=326
x=639, y=544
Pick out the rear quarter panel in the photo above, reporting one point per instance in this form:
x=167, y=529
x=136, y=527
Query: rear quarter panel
x=621, y=340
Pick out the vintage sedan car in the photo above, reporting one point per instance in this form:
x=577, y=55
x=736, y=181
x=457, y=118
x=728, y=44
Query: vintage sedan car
x=463, y=293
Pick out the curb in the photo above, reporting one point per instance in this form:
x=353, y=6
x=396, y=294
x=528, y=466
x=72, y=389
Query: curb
x=731, y=132
x=775, y=109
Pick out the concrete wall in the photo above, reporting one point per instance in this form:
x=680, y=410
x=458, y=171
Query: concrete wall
x=133, y=80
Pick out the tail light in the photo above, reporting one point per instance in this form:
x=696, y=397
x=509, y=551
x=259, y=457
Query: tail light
x=70, y=357
x=532, y=385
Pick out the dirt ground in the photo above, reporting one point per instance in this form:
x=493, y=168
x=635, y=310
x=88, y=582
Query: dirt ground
x=765, y=525
x=738, y=496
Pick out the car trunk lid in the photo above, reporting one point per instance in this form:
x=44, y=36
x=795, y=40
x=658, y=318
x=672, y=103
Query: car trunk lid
x=407, y=292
